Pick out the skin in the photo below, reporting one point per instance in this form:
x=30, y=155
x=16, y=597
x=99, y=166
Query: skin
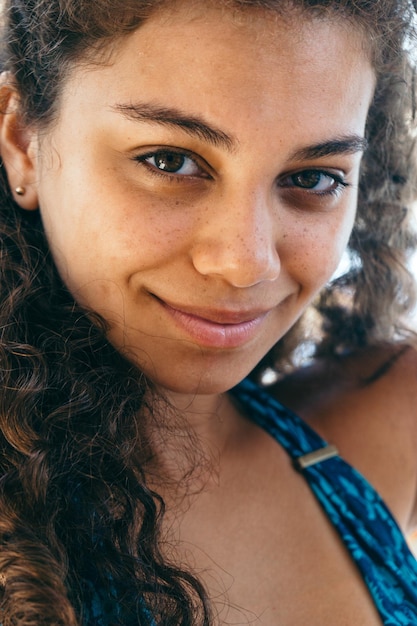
x=201, y=271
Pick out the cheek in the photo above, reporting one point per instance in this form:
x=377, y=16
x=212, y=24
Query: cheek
x=144, y=232
x=110, y=231
x=312, y=252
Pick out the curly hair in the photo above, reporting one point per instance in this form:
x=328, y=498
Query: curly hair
x=76, y=513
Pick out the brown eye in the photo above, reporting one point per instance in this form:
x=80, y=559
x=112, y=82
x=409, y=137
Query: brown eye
x=317, y=181
x=169, y=161
x=308, y=179
x=172, y=162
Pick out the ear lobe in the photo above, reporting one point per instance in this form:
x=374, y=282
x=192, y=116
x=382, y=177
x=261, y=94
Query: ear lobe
x=17, y=148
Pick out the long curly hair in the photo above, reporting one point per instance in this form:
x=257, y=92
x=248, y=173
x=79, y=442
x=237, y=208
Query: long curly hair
x=76, y=514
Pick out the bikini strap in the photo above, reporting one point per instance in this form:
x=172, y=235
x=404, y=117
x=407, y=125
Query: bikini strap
x=364, y=522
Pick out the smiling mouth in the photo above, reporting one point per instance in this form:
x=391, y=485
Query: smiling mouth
x=215, y=329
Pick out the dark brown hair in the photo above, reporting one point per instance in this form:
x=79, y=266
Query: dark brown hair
x=76, y=514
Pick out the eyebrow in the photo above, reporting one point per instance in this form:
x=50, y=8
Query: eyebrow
x=197, y=127
x=175, y=118
x=346, y=144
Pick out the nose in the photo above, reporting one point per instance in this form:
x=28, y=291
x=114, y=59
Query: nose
x=238, y=242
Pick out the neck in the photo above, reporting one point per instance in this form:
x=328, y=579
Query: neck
x=191, y=436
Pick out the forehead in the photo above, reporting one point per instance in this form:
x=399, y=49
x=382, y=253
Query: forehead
x=179, y=26
x=263, y=18
x=262, y=27
x=259, y=24
x=242, y=67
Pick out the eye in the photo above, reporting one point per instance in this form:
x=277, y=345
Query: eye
x=172, y=162
x=317, y=181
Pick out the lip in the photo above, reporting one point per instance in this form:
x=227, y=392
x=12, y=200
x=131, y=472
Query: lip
x=216, y=328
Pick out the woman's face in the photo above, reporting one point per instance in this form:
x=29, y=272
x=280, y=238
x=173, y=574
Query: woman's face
x=199, y=190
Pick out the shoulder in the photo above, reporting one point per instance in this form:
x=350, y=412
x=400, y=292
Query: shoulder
x=366, y=404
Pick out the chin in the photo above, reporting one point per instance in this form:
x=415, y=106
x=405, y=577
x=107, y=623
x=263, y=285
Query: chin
x=198, y=371
x=208, y=382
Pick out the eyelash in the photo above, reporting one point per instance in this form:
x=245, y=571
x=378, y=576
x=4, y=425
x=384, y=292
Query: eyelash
x=339, y=182
x=171, y=176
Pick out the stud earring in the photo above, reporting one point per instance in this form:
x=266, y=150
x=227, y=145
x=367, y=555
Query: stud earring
x=20, y=191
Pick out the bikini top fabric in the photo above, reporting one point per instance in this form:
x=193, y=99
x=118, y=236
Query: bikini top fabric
x=363, y=521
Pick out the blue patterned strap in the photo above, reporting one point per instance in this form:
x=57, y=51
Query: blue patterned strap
x=363, y=521
x=104, y=610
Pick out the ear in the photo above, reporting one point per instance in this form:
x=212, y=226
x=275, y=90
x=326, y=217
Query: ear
x=17, y=147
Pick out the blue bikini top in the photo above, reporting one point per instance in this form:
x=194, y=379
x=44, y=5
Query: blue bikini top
x=366, y=526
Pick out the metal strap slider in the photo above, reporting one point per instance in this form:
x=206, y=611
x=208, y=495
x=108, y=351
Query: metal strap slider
x=312, y=458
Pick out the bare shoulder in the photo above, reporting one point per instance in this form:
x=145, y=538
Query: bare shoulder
x=366, y=404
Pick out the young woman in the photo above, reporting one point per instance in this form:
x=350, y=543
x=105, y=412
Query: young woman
x=179, y=182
